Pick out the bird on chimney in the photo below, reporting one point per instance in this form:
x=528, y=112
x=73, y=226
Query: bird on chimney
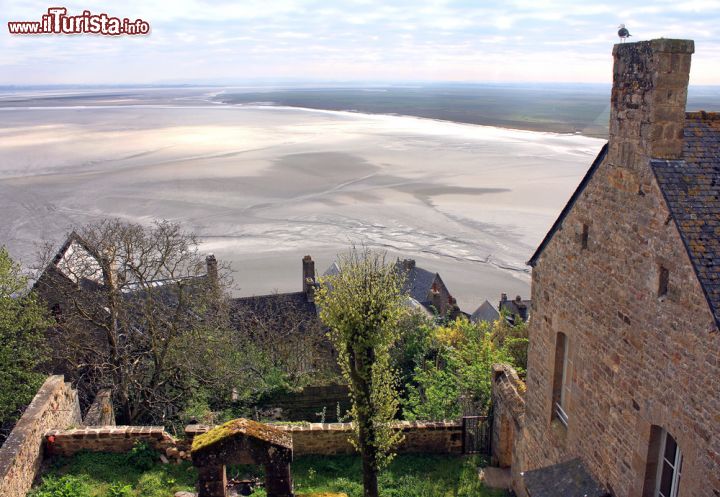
x=623, y=33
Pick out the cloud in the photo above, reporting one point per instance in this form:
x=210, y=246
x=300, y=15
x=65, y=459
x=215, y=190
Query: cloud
x=461, y=40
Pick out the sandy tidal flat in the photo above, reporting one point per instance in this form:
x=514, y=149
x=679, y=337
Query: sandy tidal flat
x=264, y=186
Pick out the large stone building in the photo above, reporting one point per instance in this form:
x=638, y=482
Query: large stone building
x=623, y=378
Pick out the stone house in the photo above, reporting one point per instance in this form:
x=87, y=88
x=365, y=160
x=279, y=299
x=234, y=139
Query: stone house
x=623, y=377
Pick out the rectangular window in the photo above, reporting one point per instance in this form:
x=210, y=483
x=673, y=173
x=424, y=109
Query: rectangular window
x=560, y=378
x=584, y=237
x=669, y=469
x=664, y=279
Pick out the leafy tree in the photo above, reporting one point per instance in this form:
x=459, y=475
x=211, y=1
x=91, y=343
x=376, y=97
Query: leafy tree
x=455, y=373
x=22, y=348
x=362, y=305
x=139, y=310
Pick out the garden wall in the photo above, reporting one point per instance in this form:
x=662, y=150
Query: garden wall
x=333, y=438
x=106, y=439
x=54, y=406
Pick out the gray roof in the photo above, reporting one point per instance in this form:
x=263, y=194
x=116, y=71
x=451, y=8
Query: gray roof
x=691, y=188
x=276, y=306
x=567, y=479
x=418, y=282
x=486, y=312
x=516, y=307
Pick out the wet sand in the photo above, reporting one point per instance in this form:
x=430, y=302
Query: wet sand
x=264, y=186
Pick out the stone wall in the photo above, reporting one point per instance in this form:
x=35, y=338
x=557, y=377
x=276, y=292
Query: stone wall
x=101, y=412
x=333, y=438
x=635, y=359
x=106, y=439
x=54, y=406
x=508, y=413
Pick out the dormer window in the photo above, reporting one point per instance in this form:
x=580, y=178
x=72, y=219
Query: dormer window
x=663, y=280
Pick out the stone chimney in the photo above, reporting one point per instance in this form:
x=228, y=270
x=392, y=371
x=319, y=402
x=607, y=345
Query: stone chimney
x=308, y=275
x=212, y=270
x=647, y=115
x=436, y=300
x=408, y=264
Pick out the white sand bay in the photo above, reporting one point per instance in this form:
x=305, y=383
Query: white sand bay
x=264, y=186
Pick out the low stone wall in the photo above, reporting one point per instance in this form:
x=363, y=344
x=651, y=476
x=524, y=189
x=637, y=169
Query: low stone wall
x=54, y=406
x=333, y=438
x=106, y=439
x=508, y=413
x=101, y=412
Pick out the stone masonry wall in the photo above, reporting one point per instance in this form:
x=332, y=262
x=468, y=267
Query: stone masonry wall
x=101, y=412
x=106, y=439
x=333, y=438
x=508, y=413
x=635, y=360
x=54, y=406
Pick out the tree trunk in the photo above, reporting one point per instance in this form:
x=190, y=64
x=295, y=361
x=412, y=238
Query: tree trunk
x=370, y=475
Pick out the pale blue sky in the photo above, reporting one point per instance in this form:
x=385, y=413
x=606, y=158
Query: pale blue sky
x=360, y=40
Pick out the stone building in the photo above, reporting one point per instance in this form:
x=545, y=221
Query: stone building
x=623, y=378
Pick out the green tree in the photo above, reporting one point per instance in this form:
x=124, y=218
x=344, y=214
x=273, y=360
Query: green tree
x=457, y=366
x=22, y=349
x=362, y=305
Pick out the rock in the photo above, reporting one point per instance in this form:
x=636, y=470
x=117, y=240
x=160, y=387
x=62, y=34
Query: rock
x=182, y=454
x=164, y=459
x=171, y=452
x=185, y=494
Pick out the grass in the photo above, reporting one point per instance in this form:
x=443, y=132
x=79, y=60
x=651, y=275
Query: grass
x=102, y=474
x=407, y=476
x=105, y=475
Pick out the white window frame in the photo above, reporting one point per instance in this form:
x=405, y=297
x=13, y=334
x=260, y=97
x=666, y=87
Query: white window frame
x=560, y=405
x=676, y=466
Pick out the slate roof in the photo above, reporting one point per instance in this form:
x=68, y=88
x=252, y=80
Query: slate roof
x=418, y=282
x=273, y=306
x=516, y=307
x=567, y=479
x=486, y=312
x=691, y=188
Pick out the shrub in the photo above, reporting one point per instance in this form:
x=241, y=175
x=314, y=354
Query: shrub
x=142, y=456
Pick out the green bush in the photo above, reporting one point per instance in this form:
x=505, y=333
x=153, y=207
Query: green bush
x=142, y=456
x=63, y=486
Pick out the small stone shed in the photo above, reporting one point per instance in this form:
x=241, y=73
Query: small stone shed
x=243, y=441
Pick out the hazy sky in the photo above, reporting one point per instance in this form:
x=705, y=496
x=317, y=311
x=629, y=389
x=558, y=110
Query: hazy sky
x=353, y=40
